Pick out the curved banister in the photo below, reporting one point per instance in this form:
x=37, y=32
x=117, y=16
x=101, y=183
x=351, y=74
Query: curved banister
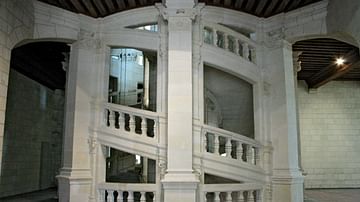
x=223, y=37
x=228, y=144
x=232, y=135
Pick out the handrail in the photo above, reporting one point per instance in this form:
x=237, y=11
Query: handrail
x=227, y=39
x=232, y=135
x=136, y=187
x=229, y=31
x=132, y=110
x=131, y=120
x=230, y=187
x=231, y=145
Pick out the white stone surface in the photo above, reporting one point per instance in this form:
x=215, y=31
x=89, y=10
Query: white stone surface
x=329, y=131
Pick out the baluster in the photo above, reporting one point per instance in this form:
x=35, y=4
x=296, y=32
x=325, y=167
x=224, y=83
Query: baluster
x=101, y=195
x=250, y=196
x=206, y=139
x=258, y=195
x=252, y=54
x=205, y=198
x=120, y=196
x=130, y=197
x=155, y=128
x=249, y=154
x=217, y=196
x=215, y=37
x=226, y=42
x=154, y=196
x=236, y=46
x=112, y=119
x=256, y=156
x=143, y=126
x=132, y=123
x=121, y=121
x=228, y=197
x=228, y=147
x=245, y=48
x=143, y=196
x=239, y=151
x=110, y=197
x=216, y=144
x=241, y=196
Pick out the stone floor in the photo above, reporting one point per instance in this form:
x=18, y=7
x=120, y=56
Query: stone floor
x=332, y=195
x=48, y=195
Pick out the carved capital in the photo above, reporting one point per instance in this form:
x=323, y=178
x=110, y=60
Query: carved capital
x=276, y=39
x=88, y=40
x=179, y=12
x=92, y=145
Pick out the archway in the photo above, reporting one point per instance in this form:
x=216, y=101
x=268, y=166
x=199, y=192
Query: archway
x=33, y=134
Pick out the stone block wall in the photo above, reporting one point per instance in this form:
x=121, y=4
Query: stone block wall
x=16, y=24
x=33, y=136
x=330, y=134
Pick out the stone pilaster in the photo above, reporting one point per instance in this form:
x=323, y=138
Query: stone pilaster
x=180, y=182
x=75, y=179
x=287, y=180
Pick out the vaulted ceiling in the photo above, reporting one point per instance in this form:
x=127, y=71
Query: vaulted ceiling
x=102, y=8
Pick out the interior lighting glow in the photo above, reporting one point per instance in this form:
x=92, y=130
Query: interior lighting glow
x=340, y=61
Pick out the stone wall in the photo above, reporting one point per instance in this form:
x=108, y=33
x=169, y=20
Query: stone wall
x=33, y=136
x=329, y=130
x=16, y=24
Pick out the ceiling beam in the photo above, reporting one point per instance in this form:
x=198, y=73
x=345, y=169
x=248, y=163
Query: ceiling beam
x=334, y=71
x=270, y=8
x=238, y=4
x=121, y=4
x=78, y=6
x=132, y=3
x=282, y=6
x=101, y=8
x=227, y=3
x=90, y=8
x=110, y=5
x=249, y=5
x=260, y=7
x=66, y=5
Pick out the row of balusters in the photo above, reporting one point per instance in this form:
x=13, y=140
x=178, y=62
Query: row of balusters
x=231, y=148
x=125, y=196
x=228, y=42
x=231, y=196
x=131, y=123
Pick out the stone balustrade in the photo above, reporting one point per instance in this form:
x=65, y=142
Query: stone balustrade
x=231, y=145
x=120, y=192
x=231, y=192
x=131, y=120
x=223, y=37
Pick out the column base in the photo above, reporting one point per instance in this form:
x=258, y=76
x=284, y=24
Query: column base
x=288, y=188
x=74, y=185
x=179, y=187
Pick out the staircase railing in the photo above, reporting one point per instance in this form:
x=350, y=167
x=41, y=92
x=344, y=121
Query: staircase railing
x=231, y=145
x=120, y=192
x=223, y=37
x=131, y=120
x=231, y=192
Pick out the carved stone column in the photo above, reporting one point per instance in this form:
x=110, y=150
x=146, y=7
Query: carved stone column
x=180, y=182
x=287, y=180
x=75, y=176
